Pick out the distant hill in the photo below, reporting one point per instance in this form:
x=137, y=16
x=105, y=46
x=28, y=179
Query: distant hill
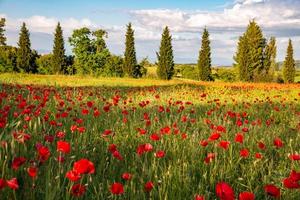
x=280, y=64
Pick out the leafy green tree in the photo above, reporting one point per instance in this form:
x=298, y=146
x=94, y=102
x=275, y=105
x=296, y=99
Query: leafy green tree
x=90, y=51
x=45, y=63
x=289, y=69
x=101, y=54
x=130, y=61
x=24, y=55
x=82, y=48
x=165, y=69
x=2, y=30
x=58, y=58
x=204, y=60
x=8, y=58
x=114, y=66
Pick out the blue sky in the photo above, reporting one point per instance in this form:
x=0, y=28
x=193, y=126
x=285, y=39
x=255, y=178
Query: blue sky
x=225, y=19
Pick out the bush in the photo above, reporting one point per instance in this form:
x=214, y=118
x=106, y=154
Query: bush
x=227, y=75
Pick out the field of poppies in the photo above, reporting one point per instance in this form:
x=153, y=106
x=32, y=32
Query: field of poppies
x=171, y=142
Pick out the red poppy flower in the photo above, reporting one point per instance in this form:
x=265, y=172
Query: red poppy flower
x=155, y=137
x=32, y=171
x=272, y=190
x=2, y=183
x=73, y=175
x=246, y=196
x=244, y=153
x=17, y=162
x=117, y=155
x=84, y=166
x=198, y=197
x=224, y=191
x=261, y=145
x=224, y=144
x=112, y=148
x=78, y=190
x=44, y=153
x=214, y=136
x=221, y=129
x=295, y=157
x=209, y=157
x=258, y=155
x=204, y=143
x=290, y=183
x=159, y=154
x=148, y=186
x=278, y=143
x=126, y=176
x=239, y=138
x=106, y=133
x=245, y=129
x=12, y=183
x=63, y=146
x=117, y=188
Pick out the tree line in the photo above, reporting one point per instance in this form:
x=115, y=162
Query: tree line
x=254, y=61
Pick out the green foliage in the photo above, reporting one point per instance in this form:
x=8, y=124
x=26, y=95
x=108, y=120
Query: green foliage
x=204, y=60
x=189, y=72
x=2, y=30
x=25, y=57
x=8, y=58
x=226, y=75
x=289, y=69
x=165, y=69
x=58, y=58
x=130, y=67
x=255, y=59
x=45, y=63
x=114, y=66
x=90, y=51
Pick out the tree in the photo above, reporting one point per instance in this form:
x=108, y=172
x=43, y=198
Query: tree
x=165, y=69
x=58, y=58
x=114, y=66
x=267, y=75
x=130, y=62
x=252, y=58
x=204, y=60
x=289, y=69
x=90, y=51
x=24, y=55
x=44, y=64
x=241, y=59
x=2, y=30
x=82, y=48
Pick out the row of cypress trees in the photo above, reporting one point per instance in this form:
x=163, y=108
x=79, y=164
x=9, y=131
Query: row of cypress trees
x=255, y=59
x=24, y=58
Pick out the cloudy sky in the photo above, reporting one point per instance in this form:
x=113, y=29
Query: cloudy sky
x=225, y=19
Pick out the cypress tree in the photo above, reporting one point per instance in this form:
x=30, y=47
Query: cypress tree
x=130, y=62
x=165, y=69
x=289, y=69
x=24, y=56
x=267, y=74
x=2, y=30
x=241, y=59
x=204, y=60
x=250, y=56
x=58, y=58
